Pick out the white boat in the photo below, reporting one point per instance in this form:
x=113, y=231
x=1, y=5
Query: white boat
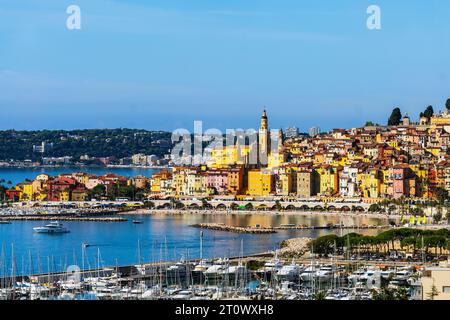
x=290, y=272
x=403, y=274
x=308, y=274
x=52, y=227
x=273, y=265
x=183, y=295
x=203, y=265
x=325, y=273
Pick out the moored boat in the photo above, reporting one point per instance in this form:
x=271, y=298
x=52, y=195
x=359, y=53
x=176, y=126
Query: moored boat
x=52, y=227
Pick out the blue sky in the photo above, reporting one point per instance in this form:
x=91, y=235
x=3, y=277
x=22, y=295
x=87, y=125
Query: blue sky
x=161, y=64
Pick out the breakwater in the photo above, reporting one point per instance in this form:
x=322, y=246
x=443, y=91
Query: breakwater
x=62, y=218
x=223, y=227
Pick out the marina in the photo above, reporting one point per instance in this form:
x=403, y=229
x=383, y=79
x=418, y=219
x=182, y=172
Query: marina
x=247, y=278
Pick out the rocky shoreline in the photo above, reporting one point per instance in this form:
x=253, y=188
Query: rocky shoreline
x=295, y=247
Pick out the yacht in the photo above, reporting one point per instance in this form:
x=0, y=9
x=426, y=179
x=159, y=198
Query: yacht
x=403, y=274
x=325, y=273
x=290, y=272
x=52, y=227
x=308, y=274
x=273, y=265
x=203, y=265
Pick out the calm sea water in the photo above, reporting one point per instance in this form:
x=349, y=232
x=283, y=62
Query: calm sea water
x=161, y=237
x=16, y=175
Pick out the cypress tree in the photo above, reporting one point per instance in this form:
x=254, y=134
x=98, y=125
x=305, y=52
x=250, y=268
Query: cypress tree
x=395, y=118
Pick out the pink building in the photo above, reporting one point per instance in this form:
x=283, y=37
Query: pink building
x=217, y=180
x=402, y=181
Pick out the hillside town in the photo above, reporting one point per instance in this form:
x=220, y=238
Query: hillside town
x=404, y=160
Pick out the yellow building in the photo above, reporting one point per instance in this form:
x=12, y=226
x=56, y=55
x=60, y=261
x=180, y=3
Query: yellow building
x=223, y=157
x=179, y=179
x=157, y=180
x=422, y=174
x=287, y=181
x=196, y=184
x=26, y=191
x=329, y=180
x=81, y=177
x=276, y=159
x=64, y=196
x=440, y=120
x=260, y=183
x=386, y=186
x=370, y=183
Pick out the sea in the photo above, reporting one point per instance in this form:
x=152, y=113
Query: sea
x=17, y=175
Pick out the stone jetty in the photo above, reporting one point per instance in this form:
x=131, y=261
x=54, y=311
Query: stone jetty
x=295, y=247
x=62, y=218
x=223, y=227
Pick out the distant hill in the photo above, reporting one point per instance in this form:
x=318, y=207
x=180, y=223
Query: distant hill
x=18, y=145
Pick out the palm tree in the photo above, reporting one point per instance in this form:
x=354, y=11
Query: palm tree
x=320, y=295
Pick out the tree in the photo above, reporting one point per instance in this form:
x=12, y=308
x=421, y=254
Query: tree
x=441, y=195
x=321, y=295
x=149, y=204
x=325, y=244
x=447, y=104
x=97, y=192
x=429, y=112
x=390, y=294
x=437, y=216
x=395, y=118
x=278, y=205
x=433, y=293
x=374, y=207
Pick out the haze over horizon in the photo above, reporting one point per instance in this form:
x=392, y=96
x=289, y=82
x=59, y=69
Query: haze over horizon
x=161, y=64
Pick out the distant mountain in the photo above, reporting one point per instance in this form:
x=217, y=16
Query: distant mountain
x=22, y=145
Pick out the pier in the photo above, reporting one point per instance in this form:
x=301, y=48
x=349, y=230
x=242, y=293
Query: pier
x=62, y=218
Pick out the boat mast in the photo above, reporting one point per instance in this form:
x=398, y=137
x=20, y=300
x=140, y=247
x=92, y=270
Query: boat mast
x=201, y=245
x=2, y=266
x=13, y=270
x=139, y=253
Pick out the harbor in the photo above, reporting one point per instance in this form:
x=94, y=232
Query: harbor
x=257, y=277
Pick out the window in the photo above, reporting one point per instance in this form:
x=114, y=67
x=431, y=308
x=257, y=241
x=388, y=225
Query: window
x=445, y=289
